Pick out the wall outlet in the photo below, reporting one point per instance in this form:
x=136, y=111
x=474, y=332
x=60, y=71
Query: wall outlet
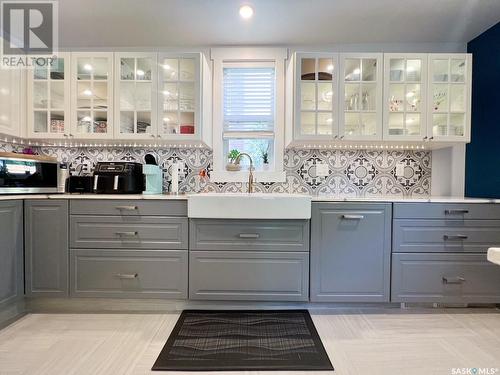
x=322, y=169
x=400, y=169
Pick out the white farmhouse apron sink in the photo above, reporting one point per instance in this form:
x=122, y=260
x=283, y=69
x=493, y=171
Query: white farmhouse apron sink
x=494, y=255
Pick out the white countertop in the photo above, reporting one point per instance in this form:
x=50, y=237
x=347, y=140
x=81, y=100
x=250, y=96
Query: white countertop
x=388, y=199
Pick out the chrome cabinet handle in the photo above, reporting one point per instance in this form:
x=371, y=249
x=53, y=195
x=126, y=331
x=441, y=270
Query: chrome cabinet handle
x=353, y=217
x=456, y=212
x=127, y=234
x=249, y=235
x=453, y=280
x=455, y=238
x=127, y=275
x=127, y=208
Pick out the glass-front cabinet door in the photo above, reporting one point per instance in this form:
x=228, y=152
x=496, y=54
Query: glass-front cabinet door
x=449, y=91
x=179, y=96
x=316, y=87
x=11, y=89
x=361, y=96
x=92, y=95
x=135, y=95
x=49, y=98
x=405, y=88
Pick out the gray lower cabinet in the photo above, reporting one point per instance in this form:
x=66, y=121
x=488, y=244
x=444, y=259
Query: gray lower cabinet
x=248, y=275
x=446, y=278
x=11, y=252
x=350, y=252
x=46, y=248
x=129, y=273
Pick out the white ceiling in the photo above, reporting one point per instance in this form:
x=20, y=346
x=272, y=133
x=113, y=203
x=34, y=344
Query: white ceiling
x=135, y=23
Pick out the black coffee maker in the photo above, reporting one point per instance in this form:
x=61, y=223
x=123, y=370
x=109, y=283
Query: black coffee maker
x=118, y=178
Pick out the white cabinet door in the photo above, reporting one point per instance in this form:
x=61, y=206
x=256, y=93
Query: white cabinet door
x=405, y=97
x=316, y=99
x=360, y=96
x=135, y=95
x=49, y=98
x=11, y=103
x=449, y=105
x=92, y=95
x=179, y=100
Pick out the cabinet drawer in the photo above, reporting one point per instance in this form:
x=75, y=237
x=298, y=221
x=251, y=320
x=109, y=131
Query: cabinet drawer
x=451, y=278
x=139, y=232
x=268, y=235
x=446, y=211
x=129, y=273
x=128, y=207
x=428, y=236
x=246, y=275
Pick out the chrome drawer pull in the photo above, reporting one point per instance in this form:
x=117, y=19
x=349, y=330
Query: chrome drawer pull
x=453, y=280
x=249, y=235
x=127, y=208
x=353, y=217
x=456, y=212
x=127, y=234
x=458, y=237
x=127, y=275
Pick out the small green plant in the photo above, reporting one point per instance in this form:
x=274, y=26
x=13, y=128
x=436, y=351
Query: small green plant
x=233, y=154
x=264, y=154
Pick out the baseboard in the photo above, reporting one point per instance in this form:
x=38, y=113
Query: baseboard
x=12, y=312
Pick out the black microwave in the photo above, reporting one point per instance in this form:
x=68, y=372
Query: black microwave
x=25, y=174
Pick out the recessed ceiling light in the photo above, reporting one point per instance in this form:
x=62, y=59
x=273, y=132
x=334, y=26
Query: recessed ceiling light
x=246, y=12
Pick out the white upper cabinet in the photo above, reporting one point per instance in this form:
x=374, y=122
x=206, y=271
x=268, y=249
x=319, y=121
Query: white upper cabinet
x=92, y=95
x=179, y=101
x=450, y=78
x=316, y=99
x=405, y=97
x=360, y=96
x=135, y=95
x=11, y=103
x=49, y=98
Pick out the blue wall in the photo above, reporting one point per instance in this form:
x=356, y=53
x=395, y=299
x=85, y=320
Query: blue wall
x=482, y=167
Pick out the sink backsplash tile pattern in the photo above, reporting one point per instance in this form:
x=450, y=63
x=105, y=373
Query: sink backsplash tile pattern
x=353, y=173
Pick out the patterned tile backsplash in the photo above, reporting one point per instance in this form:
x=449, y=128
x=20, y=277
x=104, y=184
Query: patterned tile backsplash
x=352, y=173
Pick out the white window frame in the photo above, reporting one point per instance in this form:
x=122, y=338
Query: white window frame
x=232, y=56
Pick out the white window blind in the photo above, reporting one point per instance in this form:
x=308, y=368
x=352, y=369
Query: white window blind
x=248, y=99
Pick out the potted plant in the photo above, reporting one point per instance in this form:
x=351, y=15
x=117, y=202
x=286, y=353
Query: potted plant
x=231, y=164
x=264, y=154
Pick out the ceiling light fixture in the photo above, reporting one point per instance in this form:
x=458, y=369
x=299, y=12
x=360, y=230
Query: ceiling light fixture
x=246, y=12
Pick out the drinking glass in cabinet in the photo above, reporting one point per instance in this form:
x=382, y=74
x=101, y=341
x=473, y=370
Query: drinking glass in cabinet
x=352, y=70
x=440, y=98
x=127, y=69
x=186, y=96
x=351, y=95
x=396, y=97
x=170, y=123
x=440, y=71
x=325, y=123
x=308, y=95
x=308, y=123
x=368, y=93
x=439, y=124
x=413, y=98
x=413, y=70
x=369, y=69
x=308, y=69
x=457, y=67
x=143, y=71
